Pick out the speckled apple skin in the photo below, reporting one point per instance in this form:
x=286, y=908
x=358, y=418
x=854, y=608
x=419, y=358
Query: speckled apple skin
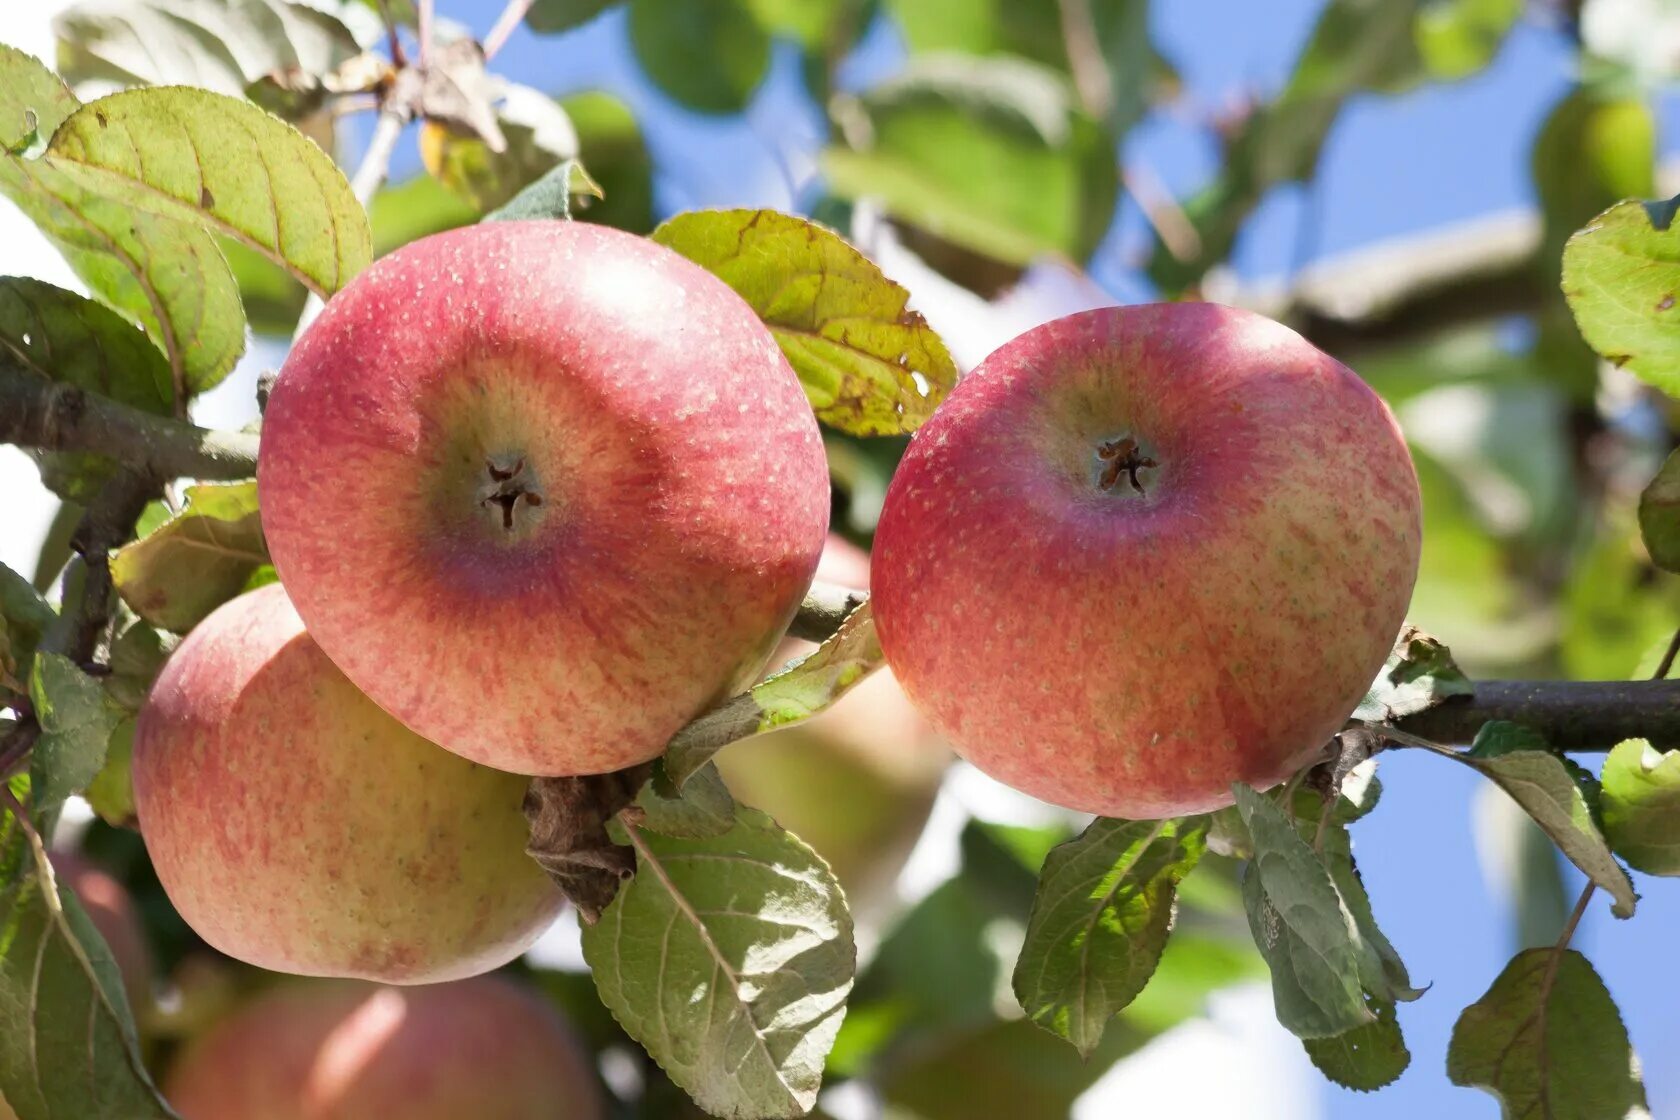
x=297, y=827
x=1132, y=654
x=480, y=1049
x=683, y=482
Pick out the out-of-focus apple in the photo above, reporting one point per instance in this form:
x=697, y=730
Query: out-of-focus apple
x=297, y=827
x=480, y=1049
x=1142, y=553
x=857, y=782
x=543, y=490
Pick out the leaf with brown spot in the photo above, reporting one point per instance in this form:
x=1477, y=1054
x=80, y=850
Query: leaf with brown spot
x=1620, y=273
x=869, y=364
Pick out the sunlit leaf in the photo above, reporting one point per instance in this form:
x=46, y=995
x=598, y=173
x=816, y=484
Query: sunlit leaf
x=869, y=364
x=176, y=575
x=1641, y=803
x=729, y=958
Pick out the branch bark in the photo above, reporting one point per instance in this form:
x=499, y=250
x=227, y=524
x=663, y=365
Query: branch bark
x=1572, y=715
x=53, y=416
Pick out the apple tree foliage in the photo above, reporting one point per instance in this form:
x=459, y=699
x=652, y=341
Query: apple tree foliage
x=178, y=159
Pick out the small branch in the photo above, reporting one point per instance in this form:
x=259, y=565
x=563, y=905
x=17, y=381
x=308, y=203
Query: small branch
x=1173, y=228
x=506, y=24
x=108, y=522
x=825, y=607
x=53, y=416
x=1091, y=78
x=1668, y=656
x=394, y=116
x=15, y=747
x=1572, y=715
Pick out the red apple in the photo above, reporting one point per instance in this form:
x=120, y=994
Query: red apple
x=1141, y=553
x=481, y=1049
x=543, y=490
x=297, y=827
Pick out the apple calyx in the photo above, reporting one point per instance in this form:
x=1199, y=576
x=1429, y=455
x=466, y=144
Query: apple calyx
x=508, y=486
x=1122, y=457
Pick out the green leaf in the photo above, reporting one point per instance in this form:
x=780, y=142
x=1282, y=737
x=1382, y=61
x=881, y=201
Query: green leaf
x=1456, y=38
x=1539, y=782
x=1641, y=804
x=28, y=88
x=729, y=958
x=1548, y=1042
x=206, y=157
x=1001, y=1068
x=1300, y=925
x=1365, y=1058
x=137, y=656
x=1382, y=974
x=64, y=337
x=1621, y=274
x=546, y=17
x=797, y=693
x=708, y=54
x=1099, y=923
x=160, y=273
x=1419, y=674
x=214, y=44
x=992, y=156
x=111, y=793
x=1659, y=515
x=176, y=575
x=702, y=808
x=76, y=719
x=1035, y=31
x=68, y=1049
x=869, y=364
x=24, y=617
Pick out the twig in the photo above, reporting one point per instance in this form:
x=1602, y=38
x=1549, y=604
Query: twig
x=424, y=31
x=1172, y=226
x=15, y=748
x=1667, y=661
x=506, y=23
x=108, y=522
x=54, y=416
x=394, y=116
x=1091, y=78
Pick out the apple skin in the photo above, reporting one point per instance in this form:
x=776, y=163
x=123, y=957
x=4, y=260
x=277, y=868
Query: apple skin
x=1133, y=654
x=858, y=781
x=297, y=827
x=682, y=482
x=483, y=1049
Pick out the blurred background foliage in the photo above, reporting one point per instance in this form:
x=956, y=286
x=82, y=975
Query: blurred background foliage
x=990, y=155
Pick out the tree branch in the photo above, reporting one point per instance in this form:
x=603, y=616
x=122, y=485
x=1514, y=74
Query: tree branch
x=53, y=416
x=1572, y=715
x=108, y=522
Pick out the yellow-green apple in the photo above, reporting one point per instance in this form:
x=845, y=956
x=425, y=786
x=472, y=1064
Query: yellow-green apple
x=1142, y=553
x=543, y=490
x=479, y=1049
x=857, y=782
x=298, y=827
x=111, y=910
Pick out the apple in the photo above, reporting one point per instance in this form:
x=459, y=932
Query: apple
x=483, y=1049
x=856, y=782
x=1141, y=553
x=543, y=490
x=297, y=827
x=111, y=910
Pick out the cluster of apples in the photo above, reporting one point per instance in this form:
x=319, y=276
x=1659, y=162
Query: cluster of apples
x=538, y=493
